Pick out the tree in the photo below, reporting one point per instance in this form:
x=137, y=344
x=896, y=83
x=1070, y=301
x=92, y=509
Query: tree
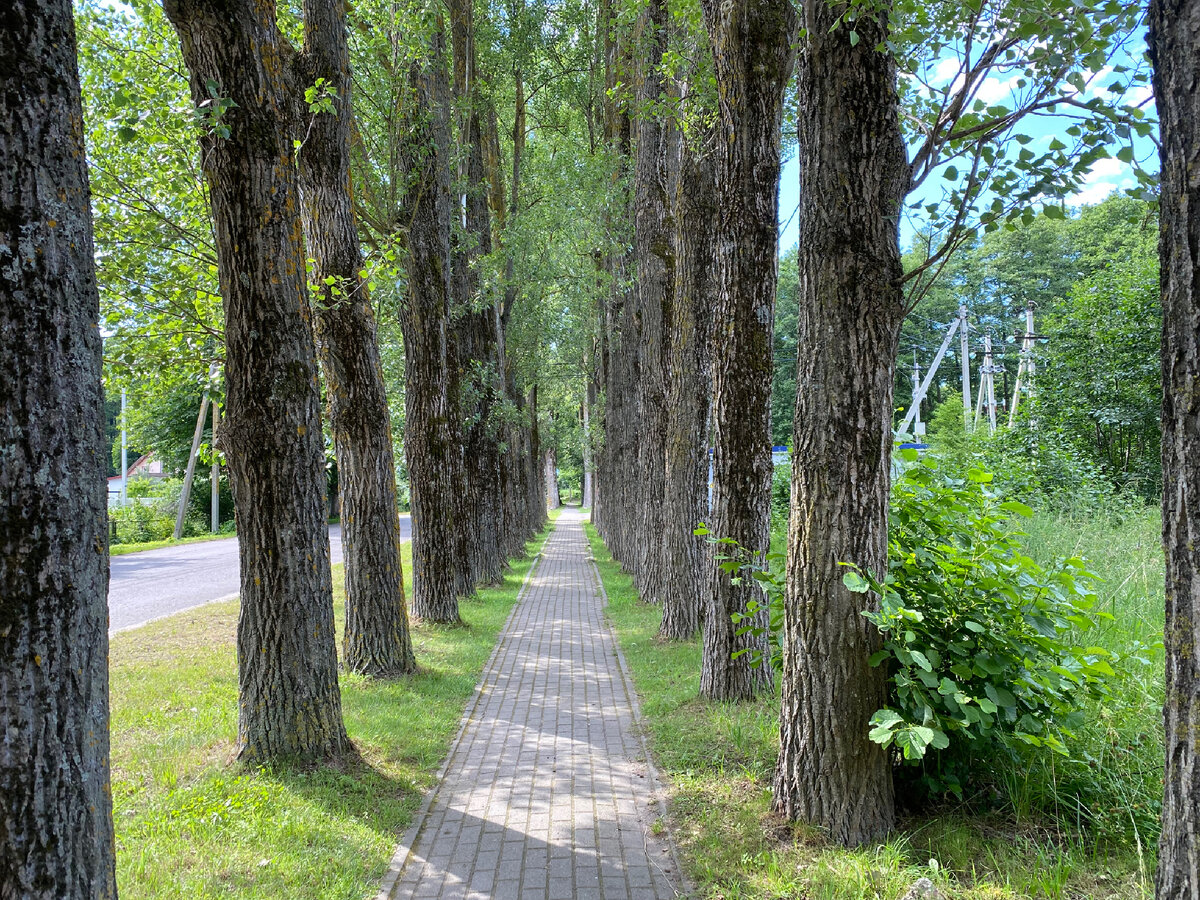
x=851, y=160
x=377, y=640
x=685, y=558
x=289, y=705
x=57, y=834
x=654, y=253
x=752, y=45
x=856, y=173
x=1174, y=25
x=432, y=438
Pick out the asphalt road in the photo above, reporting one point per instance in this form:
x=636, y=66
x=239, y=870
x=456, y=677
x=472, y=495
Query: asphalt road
x=155, y=583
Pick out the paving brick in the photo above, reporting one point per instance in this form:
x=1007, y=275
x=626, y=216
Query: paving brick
x=545, y=796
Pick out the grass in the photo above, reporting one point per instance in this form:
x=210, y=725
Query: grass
x=122, y=549
x=192, y=823
x=1010, y=843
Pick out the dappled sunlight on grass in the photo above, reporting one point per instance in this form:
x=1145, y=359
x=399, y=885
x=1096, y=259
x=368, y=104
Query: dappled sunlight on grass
x=193, y=823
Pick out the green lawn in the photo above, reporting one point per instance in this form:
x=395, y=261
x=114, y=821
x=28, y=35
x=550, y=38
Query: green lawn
x=193, y=824
x=122, y=549
x=1011, y=842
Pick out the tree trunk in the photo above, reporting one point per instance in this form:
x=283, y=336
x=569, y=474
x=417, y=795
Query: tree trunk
x=553, y=501
x=588, y=453
x=686, y=556
x=1174, y=47
x=536, y=485
x=431, y=439
x=475, y=330
x=56, y=829
x=376, y=640
x=853, y=178
x=753, y=55
x=614, y=515
x=654, y=250
x=289, y=705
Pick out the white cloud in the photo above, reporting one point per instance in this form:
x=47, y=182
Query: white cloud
x=993, y=89
x=945, y=70
x=1107, y=175
x=1140, y=94
x=1097, y=193
x=1108, y=169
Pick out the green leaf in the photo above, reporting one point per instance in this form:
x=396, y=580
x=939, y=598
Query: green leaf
x=855, y=582
x=921, y=660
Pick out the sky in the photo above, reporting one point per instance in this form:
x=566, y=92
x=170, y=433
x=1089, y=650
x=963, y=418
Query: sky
x=1106, y=175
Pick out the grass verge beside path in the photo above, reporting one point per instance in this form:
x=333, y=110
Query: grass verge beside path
x=717, y=762
x=192, y=824
x=123, y=549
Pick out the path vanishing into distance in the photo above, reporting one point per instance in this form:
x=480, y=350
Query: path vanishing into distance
x=155, y=583
x=547, y=793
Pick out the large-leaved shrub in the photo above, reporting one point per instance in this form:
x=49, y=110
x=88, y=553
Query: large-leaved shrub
x=982, y=644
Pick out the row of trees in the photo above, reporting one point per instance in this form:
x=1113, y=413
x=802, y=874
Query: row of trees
x=685, y=351
x=278, y=155
x=275, y=124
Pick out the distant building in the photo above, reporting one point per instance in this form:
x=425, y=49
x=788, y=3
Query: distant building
x=146, y=466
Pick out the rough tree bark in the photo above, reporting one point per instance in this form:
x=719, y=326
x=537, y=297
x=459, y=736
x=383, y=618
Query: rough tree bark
x=56, y=829
x=614, y=512
x=854, y=175
x=685, y=556
x=475, y=329
x=654, y=255
x=1175, y=50
x=431, y=438
x=289, y=705
x=376, y=640
x=753, y=56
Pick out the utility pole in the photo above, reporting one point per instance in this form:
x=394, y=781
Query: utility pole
x=964, y=353
x=987, y=387
x=1026, y=365
x=919, y=391
x=991, y=383
x=918, y=425
x=124, y=453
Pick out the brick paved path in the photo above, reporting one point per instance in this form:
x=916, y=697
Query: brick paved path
x=546, y=793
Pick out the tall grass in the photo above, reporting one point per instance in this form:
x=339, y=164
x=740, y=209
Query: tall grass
x=1036, y=826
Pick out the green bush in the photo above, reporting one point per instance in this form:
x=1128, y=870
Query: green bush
x=1038, y=465
x=979, y=639
x=781, y=496
x=150, y=514
x=138, y=523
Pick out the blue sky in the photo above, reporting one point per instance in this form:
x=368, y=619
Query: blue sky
x=1106, y=176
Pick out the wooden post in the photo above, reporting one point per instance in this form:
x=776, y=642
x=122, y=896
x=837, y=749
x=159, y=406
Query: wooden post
x=191, y=467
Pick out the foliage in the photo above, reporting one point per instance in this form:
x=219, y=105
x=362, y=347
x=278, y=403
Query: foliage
x=1092, y=278
x=1101, y=379
x=1020, y=838
x=1041, y=465
x=979, y=639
